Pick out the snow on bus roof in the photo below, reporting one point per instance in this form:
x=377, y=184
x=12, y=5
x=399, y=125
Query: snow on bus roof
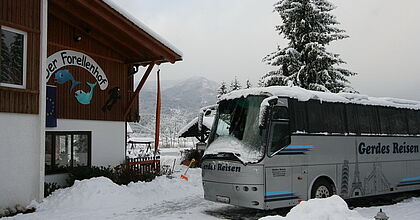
x=142, y=26
x=304, y=95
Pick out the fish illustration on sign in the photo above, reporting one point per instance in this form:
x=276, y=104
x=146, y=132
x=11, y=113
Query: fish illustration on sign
x=83, y=97
x=62, y=76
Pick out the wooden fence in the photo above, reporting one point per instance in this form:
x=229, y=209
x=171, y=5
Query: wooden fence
x=144, y=164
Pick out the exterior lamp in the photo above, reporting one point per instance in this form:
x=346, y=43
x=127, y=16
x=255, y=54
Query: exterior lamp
x=381, y=215
x=77, y=38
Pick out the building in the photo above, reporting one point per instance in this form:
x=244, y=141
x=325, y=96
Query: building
x=67, y=88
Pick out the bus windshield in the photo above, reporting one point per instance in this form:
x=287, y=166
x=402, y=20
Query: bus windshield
x=236, y=130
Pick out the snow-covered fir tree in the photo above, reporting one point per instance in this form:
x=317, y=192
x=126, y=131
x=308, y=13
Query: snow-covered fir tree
x=4, y=60
x=309, y=27
x=222, y=89
x=16, y=59
x=248, y=84
x=235, y=85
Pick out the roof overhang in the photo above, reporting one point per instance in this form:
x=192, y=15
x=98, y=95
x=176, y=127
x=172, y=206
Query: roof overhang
x=108, y=24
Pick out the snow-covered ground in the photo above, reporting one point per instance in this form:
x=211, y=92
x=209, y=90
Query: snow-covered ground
x=175, y=198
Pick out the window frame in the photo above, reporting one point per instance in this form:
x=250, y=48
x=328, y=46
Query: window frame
x=56, y=170
x=24, y=58
x=273, y=122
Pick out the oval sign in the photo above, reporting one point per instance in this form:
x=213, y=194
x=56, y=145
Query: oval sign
x=73, y=58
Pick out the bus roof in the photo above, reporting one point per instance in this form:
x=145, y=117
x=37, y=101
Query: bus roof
x=305, y=95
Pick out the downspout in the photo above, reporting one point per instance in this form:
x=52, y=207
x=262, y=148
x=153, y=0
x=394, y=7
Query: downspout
x=42, y=95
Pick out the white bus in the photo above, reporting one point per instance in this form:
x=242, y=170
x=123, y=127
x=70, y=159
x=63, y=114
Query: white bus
x=274, y=147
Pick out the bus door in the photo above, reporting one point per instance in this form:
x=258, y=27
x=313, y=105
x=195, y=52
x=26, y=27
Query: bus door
x=279, y=172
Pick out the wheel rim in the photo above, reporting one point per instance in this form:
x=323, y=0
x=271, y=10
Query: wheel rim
x=322, y=192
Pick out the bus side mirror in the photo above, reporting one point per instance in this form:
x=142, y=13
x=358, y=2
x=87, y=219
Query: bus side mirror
x=265, y=111
x=263, y=118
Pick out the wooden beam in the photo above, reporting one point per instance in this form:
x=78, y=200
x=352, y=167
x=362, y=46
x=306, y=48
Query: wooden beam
x=147, y=40
x=78, y=24
x=98, y=23
x=136, y=93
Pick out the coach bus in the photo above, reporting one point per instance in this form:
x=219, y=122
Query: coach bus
x=274, y=147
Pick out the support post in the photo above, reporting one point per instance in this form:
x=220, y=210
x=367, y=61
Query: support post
x=141, y=84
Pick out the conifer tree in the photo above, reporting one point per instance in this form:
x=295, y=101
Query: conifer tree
x=222, y=89
x=16, y=59
x=4, y=60
x=309, y=27
x=248, y=84
x=235, y=85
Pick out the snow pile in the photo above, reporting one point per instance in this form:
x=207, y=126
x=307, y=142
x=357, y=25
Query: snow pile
x=304, y=95
x=230, y=144
x=332, y=208
x=100, y=198
x=407, y=209
x=91, y=194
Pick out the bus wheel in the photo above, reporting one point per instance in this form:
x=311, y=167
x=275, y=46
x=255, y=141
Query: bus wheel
x=322, y=188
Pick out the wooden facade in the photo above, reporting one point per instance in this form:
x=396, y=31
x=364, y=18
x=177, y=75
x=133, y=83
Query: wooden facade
x=61, y=37
x=104, y=34
x=23, y=15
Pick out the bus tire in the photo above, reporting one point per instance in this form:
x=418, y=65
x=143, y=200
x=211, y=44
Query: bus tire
x=322, y=188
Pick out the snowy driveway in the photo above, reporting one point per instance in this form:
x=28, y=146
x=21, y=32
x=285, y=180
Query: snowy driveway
x=175, y=198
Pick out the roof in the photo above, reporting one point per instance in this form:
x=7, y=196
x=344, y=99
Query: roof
x=142, y=26
x=305, y=95
x=191, y=129
x=110, y=25
x=141, y=140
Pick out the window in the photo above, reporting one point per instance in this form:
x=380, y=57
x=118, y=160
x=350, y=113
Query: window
x=413, y=117
x=66, y=149
x=13, y=57
x=280, y=136
x=393, y=120
x=298, y=116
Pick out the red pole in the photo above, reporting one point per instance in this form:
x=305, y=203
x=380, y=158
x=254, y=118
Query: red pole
x=158, y=103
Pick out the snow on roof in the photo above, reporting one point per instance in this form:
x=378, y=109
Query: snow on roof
x=141, y=139
x=304, y=95
x=129, y=130
x=142, y=26
x=207, y=121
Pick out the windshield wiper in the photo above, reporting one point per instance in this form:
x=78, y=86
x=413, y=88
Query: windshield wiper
x=223, y=155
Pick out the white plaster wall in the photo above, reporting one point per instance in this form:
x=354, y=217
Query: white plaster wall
x=19, y=159
x=108, y=139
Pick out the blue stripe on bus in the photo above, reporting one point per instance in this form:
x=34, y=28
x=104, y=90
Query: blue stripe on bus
x=278, y=193
x=296, y=149
x=409, y=184
x=279, y=199
x=290, y=152
x=299, y=147
x=279, y=196
x=411, y=179
x=414, y=181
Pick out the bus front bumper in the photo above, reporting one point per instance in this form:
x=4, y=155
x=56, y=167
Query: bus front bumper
x=251, y=196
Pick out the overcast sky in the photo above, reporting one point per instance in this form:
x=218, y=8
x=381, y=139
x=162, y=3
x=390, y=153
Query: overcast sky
x=221, y=39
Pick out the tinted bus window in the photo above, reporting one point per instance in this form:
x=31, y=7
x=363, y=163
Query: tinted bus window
x=280, y=136
x=333, y=115
x=298, y=119
x=368, y=119
x=315, y=117
x=413, y=121
x=393, y=121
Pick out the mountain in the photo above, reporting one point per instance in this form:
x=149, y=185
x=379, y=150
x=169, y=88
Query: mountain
x=191, y=94
x=181, y=102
